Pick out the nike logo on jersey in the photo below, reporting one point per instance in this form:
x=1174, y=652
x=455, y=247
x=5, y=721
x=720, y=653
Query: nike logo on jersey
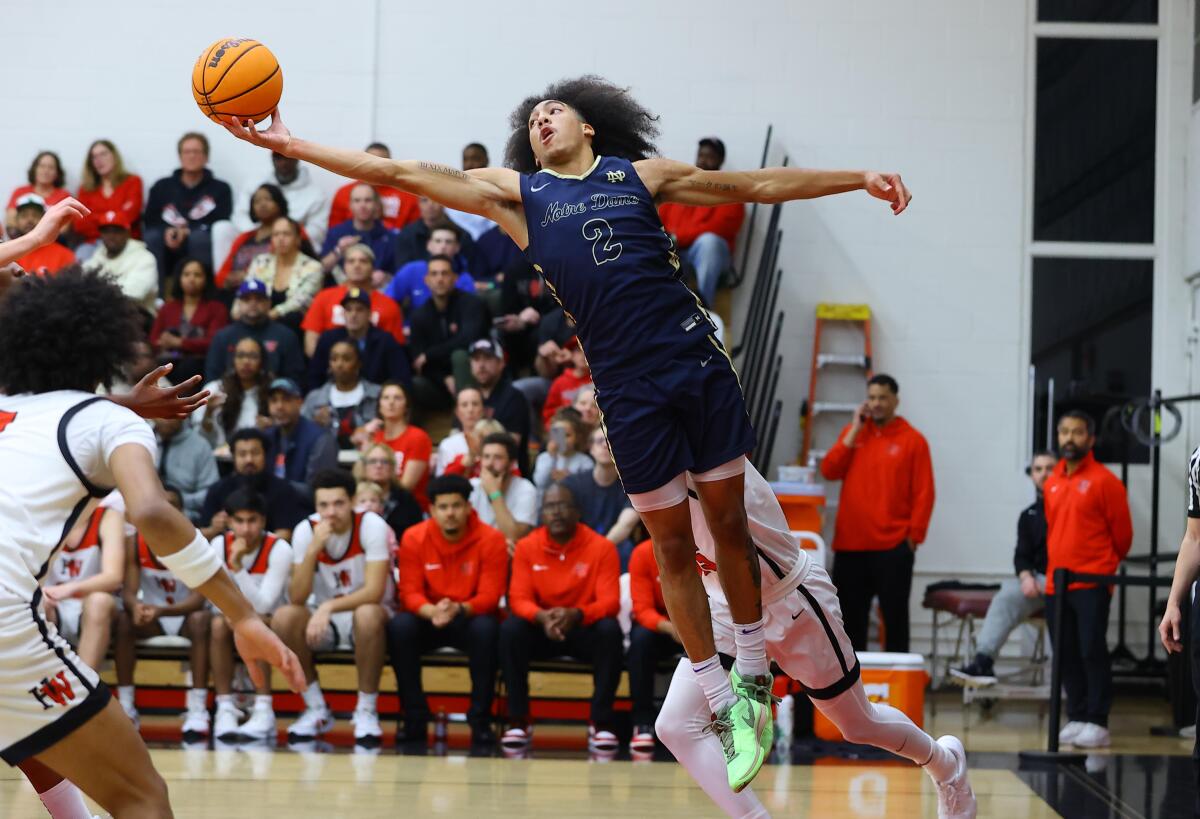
x=537, y=567
x=429, y=567
x=532, y=189
x=704, y=363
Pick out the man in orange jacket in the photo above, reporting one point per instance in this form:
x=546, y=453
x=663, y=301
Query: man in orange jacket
x=883, y=513
x=651, y=638
x=1088, y=529
x=453, y=568
x=565, y=595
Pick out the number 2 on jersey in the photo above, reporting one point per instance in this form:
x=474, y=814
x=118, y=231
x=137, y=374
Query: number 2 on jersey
x=600, y=234
x=6, y=418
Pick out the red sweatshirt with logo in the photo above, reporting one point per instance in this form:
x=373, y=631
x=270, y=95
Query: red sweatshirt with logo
x=472, y=571
x=1088, y=527
x=580, y=574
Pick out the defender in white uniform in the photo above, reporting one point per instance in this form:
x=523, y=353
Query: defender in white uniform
x=61, y=447
x=261, y=563
x=341, y=576
x=806, y=639
x=79, y=594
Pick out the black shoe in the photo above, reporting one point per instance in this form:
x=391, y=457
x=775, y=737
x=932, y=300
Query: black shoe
x=482, y=735
x=414, y=732
x=979, y=672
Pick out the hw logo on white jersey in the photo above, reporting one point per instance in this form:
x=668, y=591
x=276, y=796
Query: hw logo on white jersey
x=616, y=176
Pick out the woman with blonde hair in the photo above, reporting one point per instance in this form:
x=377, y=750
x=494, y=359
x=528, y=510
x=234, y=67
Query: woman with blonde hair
x=377, y=465
x=292, y=278
x=411, y=444
x=105, y=185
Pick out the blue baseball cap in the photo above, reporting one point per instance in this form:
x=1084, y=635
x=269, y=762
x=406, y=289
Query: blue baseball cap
x=253, y=287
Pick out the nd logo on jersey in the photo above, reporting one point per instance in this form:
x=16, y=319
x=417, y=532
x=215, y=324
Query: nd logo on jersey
x=616, y=176
x=53, y=690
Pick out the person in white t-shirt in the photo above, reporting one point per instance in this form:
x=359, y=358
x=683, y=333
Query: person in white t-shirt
x=157, y=603
x=79, y=594
x=502, y=499
x=261, y=564
x=341, y=572
x=63, y=446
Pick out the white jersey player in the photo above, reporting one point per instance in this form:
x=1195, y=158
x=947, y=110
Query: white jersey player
x=79, y=591
x=261, y=563
x=341, y=561
x=805, y=637
x=61, y=447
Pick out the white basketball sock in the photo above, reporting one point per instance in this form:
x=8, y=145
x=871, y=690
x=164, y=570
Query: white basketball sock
x=125, y=696
x=680, y=726
x=264, y=702
x=313, y=698
x=197, y=699
x=714, y=682
x=367, y=701
x=65, y=801
x=751, y=642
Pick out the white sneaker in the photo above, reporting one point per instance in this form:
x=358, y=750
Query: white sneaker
x=1092, y=736
x=642, y=740
x=260, y=726
x=195, y=723
x=366, y=727
x=1066, y=736
x=312, y=723
x=225, y=723
x=956, y=800
x=603, y=741
x=517, y=738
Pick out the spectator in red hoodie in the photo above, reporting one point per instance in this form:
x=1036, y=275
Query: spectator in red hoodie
x=652, y=637
x=883, y=514
x=706, y=235
x=1088, y=529
x=453, y=569
x=564, y=388
x=185, y=325
x=564, y=595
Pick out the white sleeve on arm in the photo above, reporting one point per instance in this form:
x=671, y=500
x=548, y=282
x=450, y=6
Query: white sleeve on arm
x=522, y=502
x=374, y=537
x=96, y=432
x=302, y=536
x=279, y=571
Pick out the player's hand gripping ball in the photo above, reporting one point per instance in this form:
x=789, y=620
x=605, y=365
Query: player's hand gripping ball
x=237, y=77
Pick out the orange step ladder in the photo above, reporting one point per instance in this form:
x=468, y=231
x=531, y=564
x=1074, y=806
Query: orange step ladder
x=859, y=314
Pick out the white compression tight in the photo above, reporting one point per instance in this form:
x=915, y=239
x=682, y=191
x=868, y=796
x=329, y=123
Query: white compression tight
x=680, y=726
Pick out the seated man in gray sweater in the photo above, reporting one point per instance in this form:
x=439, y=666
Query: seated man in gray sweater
x=185, y=461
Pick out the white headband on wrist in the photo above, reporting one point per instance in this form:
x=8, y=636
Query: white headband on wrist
x=194, y=564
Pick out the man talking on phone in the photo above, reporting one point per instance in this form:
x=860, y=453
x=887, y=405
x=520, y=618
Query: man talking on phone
x=883, y=513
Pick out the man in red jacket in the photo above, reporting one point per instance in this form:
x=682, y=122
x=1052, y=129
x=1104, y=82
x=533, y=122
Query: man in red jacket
x=651, y=638
x=883, y=513
x=452, y=573
x=705, y=234
x=565, y=595
x=1088, y=529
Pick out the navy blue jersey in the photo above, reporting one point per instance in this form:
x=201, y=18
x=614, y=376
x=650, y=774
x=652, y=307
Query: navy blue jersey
x=598, y=242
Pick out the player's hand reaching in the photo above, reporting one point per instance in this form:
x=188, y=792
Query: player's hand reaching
x=255, y=642
x=276, y=138
x=57, y=217
x=890, y=188
x=149, y=400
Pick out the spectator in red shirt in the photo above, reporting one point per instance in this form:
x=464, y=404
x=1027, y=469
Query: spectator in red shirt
x=453, y=570
x=267, y=204
x=399, y=207
x=47, y=259
x=326, y=312
x=1088, y=529
x=651, y=638
x=706, y=235
x=883, y=514
x=186, y=323
x=105, y=186
x=564, y=388
x=46, y=179
x=564, y=595
x=412, y=445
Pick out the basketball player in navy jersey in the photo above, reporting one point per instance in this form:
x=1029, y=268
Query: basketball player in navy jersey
x=579, y=197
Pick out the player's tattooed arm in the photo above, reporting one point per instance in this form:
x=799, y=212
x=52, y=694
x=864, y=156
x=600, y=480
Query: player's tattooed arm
x=445, y=170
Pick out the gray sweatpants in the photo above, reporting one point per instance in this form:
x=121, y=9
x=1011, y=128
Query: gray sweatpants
x=1009, y=609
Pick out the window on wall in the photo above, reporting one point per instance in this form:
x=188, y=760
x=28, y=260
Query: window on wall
x=1091, y=334
x=1098, y=11
x=1094, y=140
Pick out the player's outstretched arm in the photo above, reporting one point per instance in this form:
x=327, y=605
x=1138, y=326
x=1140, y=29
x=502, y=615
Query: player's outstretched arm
x=44, y=232
x=174, y=539
x=490, y=192
x=672, y=181
x=149, y=400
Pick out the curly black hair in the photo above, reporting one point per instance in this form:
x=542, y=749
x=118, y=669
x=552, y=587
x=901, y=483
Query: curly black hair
x=70, y=331
x=623, y=126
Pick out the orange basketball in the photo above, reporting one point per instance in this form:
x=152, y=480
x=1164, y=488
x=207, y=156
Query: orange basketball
x=238, y=77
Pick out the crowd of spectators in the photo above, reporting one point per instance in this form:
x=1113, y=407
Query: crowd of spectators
x=335, y=334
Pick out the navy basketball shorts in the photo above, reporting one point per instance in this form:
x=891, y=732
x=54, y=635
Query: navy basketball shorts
x=687, y=415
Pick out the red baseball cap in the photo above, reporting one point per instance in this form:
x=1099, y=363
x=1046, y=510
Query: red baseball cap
x=114, y=218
